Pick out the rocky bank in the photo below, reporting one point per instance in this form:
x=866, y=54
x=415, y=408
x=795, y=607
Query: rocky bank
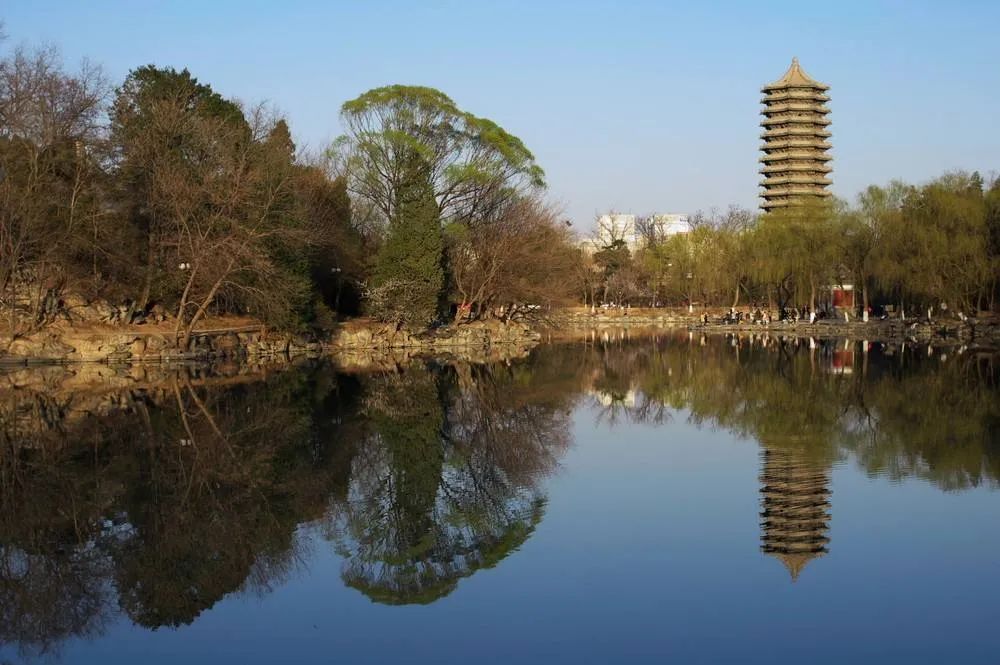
x=351, y=341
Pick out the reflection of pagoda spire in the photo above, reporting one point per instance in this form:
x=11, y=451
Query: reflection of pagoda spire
x=795, y=493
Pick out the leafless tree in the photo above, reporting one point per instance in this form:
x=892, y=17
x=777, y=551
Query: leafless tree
x=519, y=259
x=49, y=175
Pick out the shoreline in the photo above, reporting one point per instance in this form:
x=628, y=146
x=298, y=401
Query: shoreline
x=354, y=343
x=360, y=343
x=984, y=333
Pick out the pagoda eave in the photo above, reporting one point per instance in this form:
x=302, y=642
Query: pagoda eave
x=789, y=168
x=799, y=153
x=788, y=95
x=800, y=142
x=795, y=131
x=795, y=119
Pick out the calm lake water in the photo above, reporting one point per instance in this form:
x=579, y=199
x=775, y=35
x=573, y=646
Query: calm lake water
x=670, y=499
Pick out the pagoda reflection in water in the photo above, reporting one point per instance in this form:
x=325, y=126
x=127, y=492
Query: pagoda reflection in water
x=795, y=507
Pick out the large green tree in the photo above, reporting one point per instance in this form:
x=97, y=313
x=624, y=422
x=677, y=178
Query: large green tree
x=408, y=284
x=863, y=233
x=471, y=169
x=795, y=251
x=937, y=246
x=472, y=163
x=211, y=191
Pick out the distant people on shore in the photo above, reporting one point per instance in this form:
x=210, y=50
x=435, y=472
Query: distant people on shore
x=761, y=314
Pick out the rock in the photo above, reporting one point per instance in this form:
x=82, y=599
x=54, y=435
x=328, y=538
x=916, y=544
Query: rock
x=138, y=347
x=104, y=311
x=74, y=301
x=39, y=348
x=227, y=345
x=159, y=313
x=155, y=344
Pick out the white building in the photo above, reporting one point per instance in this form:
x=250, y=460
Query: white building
x=669, y=224
x=617, y=226
x=636, y=231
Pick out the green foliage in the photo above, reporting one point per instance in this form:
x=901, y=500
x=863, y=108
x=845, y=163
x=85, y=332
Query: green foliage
x=937, y=244
x=408, y=280
x=472, y=168
x=471, y=161
x=135, y=105
x=795, y=250
x=220, y=193
x=917, y=246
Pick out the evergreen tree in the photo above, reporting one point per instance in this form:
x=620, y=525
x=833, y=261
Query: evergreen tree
x=409, y=272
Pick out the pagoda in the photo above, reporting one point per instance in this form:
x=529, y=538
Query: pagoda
x=795, y=139
x=795, y=502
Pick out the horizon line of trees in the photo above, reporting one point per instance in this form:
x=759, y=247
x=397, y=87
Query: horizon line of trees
x=911, y=246
x=166, y=199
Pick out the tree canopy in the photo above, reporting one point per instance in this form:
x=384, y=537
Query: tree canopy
x=473, y=163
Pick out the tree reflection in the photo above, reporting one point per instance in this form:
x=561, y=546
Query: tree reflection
x=446, y=483
x=160, y=500
x=897, y=411
x=156, y=500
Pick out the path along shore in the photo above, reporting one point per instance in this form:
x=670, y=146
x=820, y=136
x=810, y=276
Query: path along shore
x=979, y=332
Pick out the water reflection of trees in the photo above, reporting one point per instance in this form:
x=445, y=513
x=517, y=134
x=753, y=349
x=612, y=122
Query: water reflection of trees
x=447, y=480
x=899, y=411
x=156, y=503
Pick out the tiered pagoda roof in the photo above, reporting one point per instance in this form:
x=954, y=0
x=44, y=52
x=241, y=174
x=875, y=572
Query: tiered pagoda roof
x=795, y=146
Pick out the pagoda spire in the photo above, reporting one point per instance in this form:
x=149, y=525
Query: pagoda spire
x=794, y=163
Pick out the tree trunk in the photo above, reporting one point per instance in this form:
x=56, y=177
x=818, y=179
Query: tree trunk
x=205, y=303
x=336, y=298
x=147, y=282
x=183, y=304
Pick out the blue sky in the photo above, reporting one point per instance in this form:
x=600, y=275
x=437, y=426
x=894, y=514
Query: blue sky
x=636, y=106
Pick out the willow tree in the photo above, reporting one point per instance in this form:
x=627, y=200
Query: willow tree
x=473, y=163
x=471, y=166
x=939, y=248
x=864, y=232
x=796, y=250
